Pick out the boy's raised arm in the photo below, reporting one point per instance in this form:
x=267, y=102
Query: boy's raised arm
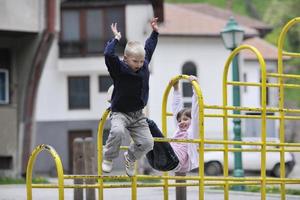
x=152, y=40
x=111, y=59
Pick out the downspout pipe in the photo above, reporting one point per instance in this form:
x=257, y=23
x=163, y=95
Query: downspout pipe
x=38, y=64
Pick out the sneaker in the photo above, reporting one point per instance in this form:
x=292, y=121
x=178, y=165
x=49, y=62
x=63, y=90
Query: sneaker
x=129, y=165
x=107, y=166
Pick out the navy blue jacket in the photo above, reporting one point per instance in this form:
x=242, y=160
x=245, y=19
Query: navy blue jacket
x=131, y=89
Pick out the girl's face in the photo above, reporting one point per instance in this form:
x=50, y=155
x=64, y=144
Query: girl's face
x=184, y=123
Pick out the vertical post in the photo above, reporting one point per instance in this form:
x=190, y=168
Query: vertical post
x=232, y=36
x=238, y=166
x=180, y=191
x=89, y=163
x=78, y=166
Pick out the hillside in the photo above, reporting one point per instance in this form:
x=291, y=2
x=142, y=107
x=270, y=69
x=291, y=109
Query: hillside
x=276, y=13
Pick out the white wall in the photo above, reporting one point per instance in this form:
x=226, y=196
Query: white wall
x=52, y=101
x=22, y=15
x=209, y=56
x=138, y=22
x=251, y=97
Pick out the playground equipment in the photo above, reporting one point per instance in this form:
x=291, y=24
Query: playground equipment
x=201, y=180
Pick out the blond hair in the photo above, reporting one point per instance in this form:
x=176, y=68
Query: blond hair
x=134, y=48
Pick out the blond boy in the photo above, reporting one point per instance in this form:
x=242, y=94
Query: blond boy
x=130, y=95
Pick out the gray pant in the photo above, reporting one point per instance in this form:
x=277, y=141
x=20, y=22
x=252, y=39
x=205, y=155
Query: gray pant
x=135, y=124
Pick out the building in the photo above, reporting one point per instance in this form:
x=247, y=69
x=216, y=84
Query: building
x=25, y=38
x=71, y=87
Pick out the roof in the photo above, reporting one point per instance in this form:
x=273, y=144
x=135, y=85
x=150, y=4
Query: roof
x=225, y=14
x=268, y=51
x=183, y=21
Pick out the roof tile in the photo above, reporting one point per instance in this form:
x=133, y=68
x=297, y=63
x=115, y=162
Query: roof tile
x=182, y=21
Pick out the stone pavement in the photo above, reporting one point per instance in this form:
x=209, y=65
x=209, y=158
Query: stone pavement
x=18, y=192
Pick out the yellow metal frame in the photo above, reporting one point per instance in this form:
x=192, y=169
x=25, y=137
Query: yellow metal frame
x=201, y=180
x=262, y=110
x=59, y=169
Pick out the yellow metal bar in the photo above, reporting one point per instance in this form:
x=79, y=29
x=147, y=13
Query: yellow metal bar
x=291, y=54
x=263, y=85
x=209, y=181
x=225, y=142
x=269, y=109
x=59, y=169
x=263, y=75
x=281, y=40
x=259, y=84
x=201, y=137
x=201, y=129
x=296, y=76
x=225, y=127
x=99, y=151
x=164, y=115
x=252, y=116
x=133, y=187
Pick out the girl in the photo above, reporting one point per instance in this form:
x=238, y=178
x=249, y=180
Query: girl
x=178, y=157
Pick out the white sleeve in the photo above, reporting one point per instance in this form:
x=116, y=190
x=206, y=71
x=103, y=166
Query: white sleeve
x=194, y=127
x=177, y=105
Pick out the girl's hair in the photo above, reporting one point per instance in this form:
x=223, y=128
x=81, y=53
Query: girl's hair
x=184, y=112
x=134, y=48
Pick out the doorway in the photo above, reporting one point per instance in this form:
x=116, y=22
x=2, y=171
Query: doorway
x=71, y=137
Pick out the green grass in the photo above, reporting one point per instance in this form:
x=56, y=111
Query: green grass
x=269, y=190
x=288, y=10
x=291, y=94
x=272, y=190
x=9, y=180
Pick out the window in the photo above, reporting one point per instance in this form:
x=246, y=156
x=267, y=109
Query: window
x=6, y=162
x=4, y=86
x=104, y=83
x=189, y=68
x=79, y=92
x=267, y=93
x=85, y=31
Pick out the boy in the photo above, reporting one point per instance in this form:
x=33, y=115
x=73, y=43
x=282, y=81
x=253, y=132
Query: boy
x=130, y=95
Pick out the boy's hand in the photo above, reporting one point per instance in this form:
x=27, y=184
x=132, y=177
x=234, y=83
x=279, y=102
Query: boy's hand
x=115, y=31
x=154, y=24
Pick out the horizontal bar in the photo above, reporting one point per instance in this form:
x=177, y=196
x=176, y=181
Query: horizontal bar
x=236, y=83
x=292, y=54
x=269, y=109
x=277, y=75
x=250, y=143
x=228, y=142
x=208, y=182
x=250, y=150
x=177, y=140
x=286, y=117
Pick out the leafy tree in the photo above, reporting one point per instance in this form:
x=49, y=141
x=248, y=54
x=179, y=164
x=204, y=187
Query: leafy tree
x=277, y=14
